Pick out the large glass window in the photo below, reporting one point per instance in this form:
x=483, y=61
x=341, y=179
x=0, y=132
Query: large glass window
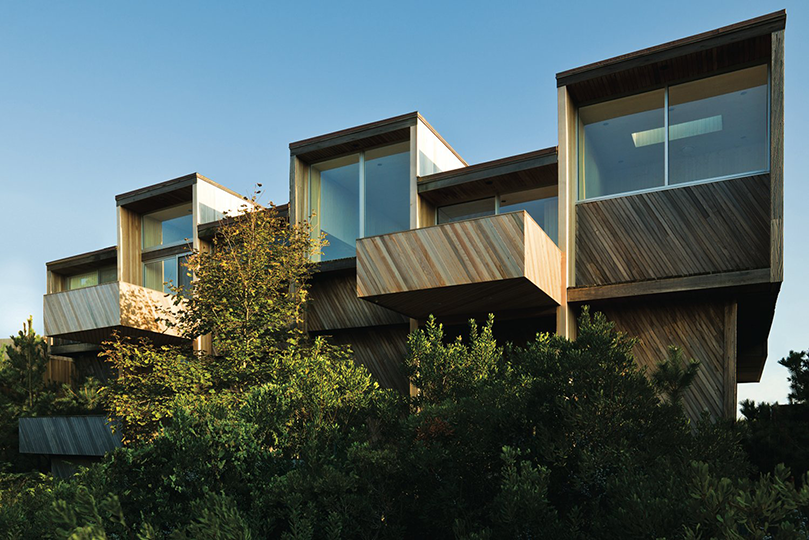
x=105, y=274
x=387, y=189
x=715, y=128
x=170, y=226
x=360, y=195
x=718, y=126
x=160, y=274
x=620, y=146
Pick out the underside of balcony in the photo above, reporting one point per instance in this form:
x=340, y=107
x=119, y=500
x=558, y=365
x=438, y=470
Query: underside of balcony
x=493, y=263
x=93, y=314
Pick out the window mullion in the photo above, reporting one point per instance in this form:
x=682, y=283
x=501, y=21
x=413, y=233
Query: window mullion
x=362, y=195
x=666, y=137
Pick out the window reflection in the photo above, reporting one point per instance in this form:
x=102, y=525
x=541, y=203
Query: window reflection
x=170, y=226
x=334, y=192
x=387, y=189
x=620, y=145
x=718, y=126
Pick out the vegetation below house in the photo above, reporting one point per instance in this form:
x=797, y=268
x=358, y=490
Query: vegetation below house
x=283, y=436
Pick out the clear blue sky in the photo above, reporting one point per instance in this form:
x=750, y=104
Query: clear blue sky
x=98, y=98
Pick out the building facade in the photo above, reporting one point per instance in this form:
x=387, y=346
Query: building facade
x=661, y=205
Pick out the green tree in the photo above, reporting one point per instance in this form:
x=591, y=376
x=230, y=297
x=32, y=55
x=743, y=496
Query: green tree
x=248, y=295
x=22, y=373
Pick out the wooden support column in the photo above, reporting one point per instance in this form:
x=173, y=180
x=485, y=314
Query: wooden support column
x=729, y=360
x=129, y=247
x=777, y=157
x=565, y=318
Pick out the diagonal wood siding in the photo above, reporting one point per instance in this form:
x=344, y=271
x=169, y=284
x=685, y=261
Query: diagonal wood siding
x=701, y=229
x=91, y=314
x=410, y=271
x=334, y=305
x=699, y=328
x=381, y=350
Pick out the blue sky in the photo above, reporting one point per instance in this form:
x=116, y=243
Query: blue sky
x=99, y=98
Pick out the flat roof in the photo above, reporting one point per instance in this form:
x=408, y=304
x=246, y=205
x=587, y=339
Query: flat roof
x=765, y=24
x=513, y=173
x=388, y=130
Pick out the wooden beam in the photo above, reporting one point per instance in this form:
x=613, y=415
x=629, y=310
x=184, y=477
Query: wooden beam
x=670, y=285
x=353, y=134
x=729, y=364
x=777, y=158
x=481, y=171
x=707, y=40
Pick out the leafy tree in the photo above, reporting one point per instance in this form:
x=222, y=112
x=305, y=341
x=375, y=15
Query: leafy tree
x=248, y=295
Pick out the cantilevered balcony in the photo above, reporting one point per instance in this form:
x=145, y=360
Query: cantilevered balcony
x=494, y=263
x=92, y=314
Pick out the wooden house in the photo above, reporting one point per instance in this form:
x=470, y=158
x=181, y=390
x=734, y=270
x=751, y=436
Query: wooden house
x=661, y=205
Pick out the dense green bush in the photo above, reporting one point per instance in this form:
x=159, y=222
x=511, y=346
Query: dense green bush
x=557, y=439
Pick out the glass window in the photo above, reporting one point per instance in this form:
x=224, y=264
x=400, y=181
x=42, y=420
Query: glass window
x=80, y=281
x=621, y=145
x=718, y=126
x=169, y=226
x=387, y=189
x=544, y=209
x=158, y=273
x=335, y=199
x=360, y=195
x=467, y=210
x=107, y=274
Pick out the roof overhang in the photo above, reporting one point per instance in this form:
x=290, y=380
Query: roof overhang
x=723, y=49
x=514, y=173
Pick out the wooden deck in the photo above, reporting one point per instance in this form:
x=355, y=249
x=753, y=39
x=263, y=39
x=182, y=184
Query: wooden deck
x=504, y=262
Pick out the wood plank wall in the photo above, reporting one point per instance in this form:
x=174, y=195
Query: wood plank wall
x=777, y=158
x=704, y=330
x=334, y=305
x=472, y=251
x=60, y=370
x=129, y=247
x=382, y=350
x=702, y=229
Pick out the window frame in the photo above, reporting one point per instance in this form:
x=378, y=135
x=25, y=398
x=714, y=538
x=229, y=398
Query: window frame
x=361, y=186
x=666, y=184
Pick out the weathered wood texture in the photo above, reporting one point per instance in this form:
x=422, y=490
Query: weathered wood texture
x=91, y=314
x=744, y=278
x=486, y=261
x=701, y=229
x=129, y=246
x=334, y=305
x=60, y=370
x=68, y=436
x=777, y=158
x=699, y=328
x=382, y=350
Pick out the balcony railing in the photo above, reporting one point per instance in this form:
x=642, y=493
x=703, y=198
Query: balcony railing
x=92, y=314
x=488, y=264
